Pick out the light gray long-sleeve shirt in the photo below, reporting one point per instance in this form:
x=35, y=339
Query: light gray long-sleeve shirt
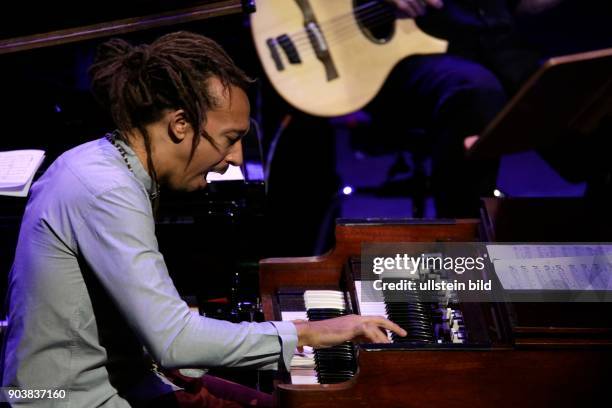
x=89, y=288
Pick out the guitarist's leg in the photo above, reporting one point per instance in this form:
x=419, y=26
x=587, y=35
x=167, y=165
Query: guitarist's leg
x=451, y=98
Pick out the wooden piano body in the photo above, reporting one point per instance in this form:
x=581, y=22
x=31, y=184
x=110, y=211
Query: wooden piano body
x=547, y=357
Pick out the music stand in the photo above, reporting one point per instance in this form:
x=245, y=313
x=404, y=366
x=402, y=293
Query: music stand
x=566, y=94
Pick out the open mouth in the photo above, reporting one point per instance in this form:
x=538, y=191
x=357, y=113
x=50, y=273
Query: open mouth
x=221, y=171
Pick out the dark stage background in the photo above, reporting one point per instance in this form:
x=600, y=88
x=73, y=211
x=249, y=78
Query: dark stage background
x=46, y=104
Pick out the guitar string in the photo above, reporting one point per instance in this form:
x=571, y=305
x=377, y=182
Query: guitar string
x=366, y=7
x=351, y=29
x=337, y=36
x=348, y=32
x=376, y=17
x=364, y=12
x=358, y=12
x=307, y=52
x=335, y=25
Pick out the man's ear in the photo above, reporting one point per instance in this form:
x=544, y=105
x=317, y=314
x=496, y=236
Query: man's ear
x=178, y=127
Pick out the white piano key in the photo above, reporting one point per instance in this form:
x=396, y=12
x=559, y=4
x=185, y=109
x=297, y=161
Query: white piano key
x=371, y=308
x=324, y=299
x=304, y=379
x=290, y=316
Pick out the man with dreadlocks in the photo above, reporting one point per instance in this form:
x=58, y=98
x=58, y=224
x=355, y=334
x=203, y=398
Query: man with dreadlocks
x=92, y=309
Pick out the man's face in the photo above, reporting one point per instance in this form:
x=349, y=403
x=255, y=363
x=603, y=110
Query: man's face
x=225, y=126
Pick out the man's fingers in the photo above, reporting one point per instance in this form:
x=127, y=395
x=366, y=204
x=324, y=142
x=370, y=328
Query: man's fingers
x=382, y=335
x=389, y=325
x=327, y=333
x=419, y=6
x=374, y=335
x=469, y=141
x=405, y=8
x=413, y=6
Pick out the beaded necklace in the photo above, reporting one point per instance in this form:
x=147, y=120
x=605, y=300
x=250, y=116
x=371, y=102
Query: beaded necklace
x=112, y=138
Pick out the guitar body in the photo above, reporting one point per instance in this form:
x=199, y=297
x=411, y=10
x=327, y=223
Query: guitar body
x=360, y=62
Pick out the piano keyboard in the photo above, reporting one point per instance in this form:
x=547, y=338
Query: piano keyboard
x=428, y=322
x=425, y=322
x=333, y=364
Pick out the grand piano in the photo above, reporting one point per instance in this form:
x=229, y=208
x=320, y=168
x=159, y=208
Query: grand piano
x=514, y=354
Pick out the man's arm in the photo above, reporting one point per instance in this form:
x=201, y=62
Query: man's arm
x=118, y=241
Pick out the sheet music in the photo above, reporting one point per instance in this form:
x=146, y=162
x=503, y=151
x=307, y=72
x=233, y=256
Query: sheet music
x=17, y=166
x=17, y=191
x=17, y=169
x=581, y=273
x=533, y=251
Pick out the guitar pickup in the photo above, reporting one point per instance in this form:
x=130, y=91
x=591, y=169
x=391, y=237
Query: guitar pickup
x=290, y=51
x=272, y=46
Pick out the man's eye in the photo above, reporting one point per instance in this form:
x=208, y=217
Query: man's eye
x=233, y=139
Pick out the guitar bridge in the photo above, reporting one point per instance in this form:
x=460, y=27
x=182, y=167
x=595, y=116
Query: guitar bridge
x=317, y=40
x=272, y=44
x=290, y=51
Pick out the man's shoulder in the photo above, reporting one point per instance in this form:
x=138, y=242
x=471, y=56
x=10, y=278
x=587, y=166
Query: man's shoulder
x=97, y=167
x=81, y=177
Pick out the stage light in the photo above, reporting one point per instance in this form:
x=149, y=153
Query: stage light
x=347, y=190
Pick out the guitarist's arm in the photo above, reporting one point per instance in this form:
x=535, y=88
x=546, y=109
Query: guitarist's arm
x=434, y=17
x=414, y=8
x=451, y=19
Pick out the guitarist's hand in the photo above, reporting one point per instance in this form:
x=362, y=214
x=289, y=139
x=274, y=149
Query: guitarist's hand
x=469, y=141
x=414, y=8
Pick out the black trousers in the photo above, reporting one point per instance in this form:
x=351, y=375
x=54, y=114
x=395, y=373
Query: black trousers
x=450, y=98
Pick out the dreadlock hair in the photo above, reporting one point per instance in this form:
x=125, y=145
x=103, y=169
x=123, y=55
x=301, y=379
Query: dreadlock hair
x=137, y=83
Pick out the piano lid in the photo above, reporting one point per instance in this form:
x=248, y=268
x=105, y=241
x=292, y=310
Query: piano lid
x=61, y=22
